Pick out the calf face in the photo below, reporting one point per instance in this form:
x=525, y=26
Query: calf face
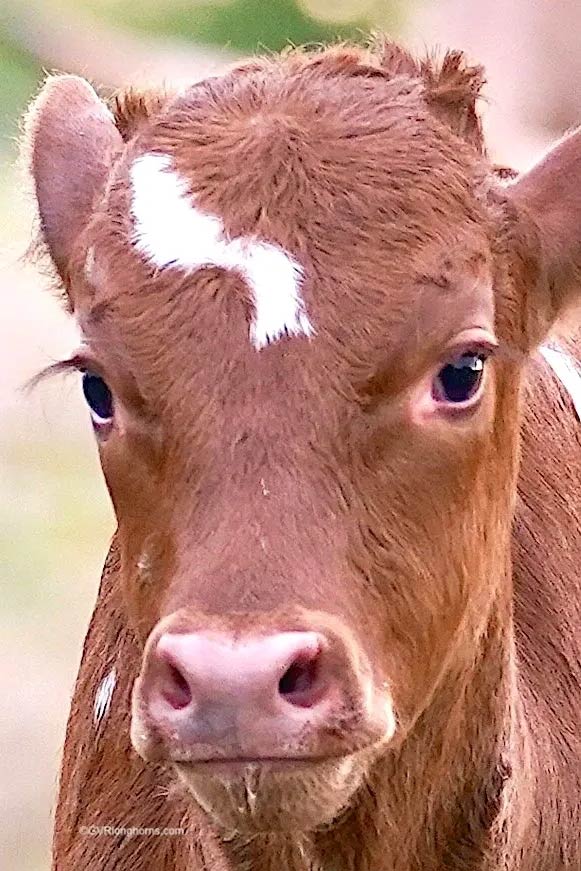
x=301, y=291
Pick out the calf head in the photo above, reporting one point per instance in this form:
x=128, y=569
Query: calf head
x=305, y=300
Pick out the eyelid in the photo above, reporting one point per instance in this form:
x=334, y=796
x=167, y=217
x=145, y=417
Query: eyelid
x=80, y=361
x=84, y=362
x=477, y=339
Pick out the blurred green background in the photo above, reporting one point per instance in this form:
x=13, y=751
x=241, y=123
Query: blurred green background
x=55, y=520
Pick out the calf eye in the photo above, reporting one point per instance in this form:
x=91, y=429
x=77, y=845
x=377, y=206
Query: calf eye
x=459, y=381
x=99, y=399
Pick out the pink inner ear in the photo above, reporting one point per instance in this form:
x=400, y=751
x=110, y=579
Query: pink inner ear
x=550, y=194
x=71, y=137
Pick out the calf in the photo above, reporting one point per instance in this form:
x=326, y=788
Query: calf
x=338, y=628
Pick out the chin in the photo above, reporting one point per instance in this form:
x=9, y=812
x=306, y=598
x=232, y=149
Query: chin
x=273, y=796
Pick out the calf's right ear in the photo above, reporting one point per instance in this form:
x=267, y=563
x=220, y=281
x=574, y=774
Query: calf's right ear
x=70, y=137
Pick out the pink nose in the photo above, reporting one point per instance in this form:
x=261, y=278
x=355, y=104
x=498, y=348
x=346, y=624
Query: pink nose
x=214, y=697
x=270, y=672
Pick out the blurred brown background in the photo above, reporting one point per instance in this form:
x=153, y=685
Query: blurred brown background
x=55, y=520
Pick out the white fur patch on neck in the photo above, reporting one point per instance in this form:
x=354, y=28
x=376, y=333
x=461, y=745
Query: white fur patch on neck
x=103, y=697
x=567, y=371
x=171, y=231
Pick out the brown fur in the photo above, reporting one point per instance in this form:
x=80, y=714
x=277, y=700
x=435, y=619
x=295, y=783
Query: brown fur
x=132, y=109
x=370, y=168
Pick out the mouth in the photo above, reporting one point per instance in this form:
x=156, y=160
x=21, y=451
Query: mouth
x=272, y=793
x=239, y=765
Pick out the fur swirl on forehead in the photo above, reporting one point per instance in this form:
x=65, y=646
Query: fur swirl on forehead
x=449, y=87
x=452, y=86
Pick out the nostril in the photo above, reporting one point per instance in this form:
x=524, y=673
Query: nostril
x=300, y=684
x=175, y=688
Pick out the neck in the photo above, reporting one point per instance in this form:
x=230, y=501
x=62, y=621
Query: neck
x=452, y=796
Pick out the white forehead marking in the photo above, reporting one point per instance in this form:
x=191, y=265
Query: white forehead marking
x=171, y=231
x=567, y=371
x=103, y=697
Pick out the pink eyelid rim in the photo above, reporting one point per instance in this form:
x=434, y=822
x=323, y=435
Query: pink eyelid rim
x=102, y=426
x=100, y=421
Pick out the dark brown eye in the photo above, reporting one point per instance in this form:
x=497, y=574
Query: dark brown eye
x=459, y=381
x=99, y=399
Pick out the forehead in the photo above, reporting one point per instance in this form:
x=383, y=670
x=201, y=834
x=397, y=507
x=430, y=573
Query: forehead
x=277, y=202
x=308, y=157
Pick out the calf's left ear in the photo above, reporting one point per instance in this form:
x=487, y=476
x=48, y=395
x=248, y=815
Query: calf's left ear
x=548, y=197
